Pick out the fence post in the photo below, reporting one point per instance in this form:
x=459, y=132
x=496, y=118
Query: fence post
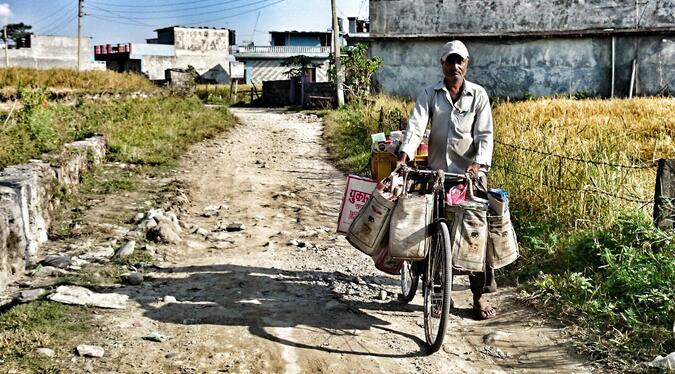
x=664, y=195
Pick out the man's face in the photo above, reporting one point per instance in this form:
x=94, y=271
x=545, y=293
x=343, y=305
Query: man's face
x=454, y=67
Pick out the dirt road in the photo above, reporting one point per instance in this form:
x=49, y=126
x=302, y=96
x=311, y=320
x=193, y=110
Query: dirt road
x=284, y=293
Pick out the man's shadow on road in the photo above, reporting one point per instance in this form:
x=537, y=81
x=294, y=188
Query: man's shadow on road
x=267, y=298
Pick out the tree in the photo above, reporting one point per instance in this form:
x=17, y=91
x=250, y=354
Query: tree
x=298, y=65
x=17, y=31
x=359, y=70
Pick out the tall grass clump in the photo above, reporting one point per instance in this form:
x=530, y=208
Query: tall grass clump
x=152, y=131
x=348, y=129
x=87, y=81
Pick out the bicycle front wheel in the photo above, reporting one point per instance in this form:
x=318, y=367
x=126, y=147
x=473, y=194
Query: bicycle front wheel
x=409, y=280
x=436, y=287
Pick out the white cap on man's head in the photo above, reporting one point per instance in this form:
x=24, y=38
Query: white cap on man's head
x=453, y=47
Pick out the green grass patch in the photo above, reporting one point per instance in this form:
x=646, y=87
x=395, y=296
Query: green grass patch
x=616, y=282
x=152, y=131
x=40, y=324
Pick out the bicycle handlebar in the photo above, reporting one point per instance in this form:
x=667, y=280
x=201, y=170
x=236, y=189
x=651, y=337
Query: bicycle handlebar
x=408, y=169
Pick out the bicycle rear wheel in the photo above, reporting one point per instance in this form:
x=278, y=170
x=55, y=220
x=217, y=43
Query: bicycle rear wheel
x=409, y=282
x=436, y=287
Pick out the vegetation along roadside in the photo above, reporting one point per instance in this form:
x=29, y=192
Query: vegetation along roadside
x=581, y=176
x=145, y=138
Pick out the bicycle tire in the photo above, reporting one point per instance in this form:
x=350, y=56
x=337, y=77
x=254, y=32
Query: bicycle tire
x=436, y=288
x=409, y=282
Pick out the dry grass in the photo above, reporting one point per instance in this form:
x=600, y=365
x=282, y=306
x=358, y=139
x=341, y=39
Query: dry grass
x=619, y=132
x=542, y=184
x=69, y=79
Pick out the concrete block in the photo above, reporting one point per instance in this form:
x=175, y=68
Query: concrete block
x=78, y=157
x=34, y=184
x=12, y=236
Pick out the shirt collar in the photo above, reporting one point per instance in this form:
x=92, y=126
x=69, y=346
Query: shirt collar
x=440, y=86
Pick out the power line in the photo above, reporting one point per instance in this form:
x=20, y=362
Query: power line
x=116, y=14
x=238, y=14
x=57, y=13
x=188, y=15
x=151, y=6
x=116, y=21
x=61, y=24
x=155, y=11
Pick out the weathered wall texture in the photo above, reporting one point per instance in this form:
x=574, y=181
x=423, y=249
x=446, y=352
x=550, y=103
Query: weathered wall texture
x=27, y=201
x=52, y=52
x=271, y=69
x=540, y=67
x=504, y=16
x=191, y=41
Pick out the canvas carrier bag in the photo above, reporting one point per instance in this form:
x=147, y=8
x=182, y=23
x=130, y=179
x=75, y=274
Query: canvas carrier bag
x=371, y=225
x=408, y=226
x=502, y=243
x=385, y=262
x=469, y=237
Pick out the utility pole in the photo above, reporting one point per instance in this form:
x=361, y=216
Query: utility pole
x=6, y=47
x=338, y=65
x=79, y=33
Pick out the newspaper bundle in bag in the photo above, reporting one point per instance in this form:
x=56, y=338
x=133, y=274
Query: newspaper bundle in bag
x=371, y=226
x=408, y=229
x=502, y=243
x=480, y=234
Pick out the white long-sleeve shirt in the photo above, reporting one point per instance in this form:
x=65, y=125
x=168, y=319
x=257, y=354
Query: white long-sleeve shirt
x=461, y=132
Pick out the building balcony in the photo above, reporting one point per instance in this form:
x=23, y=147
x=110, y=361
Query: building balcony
x=276, y=52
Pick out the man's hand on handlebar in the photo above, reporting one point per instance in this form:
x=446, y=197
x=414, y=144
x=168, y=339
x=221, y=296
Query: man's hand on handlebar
x=402, y=160
x=472, y=170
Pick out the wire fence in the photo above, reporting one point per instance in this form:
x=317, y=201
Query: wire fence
x=577, y=159
x=571, y=173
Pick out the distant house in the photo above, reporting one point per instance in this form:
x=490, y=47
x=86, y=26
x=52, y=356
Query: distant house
x=263, y=63
x=175, y=47
x=49, y=51
x=521, y=48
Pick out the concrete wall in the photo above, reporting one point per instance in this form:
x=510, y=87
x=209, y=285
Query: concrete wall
x=521, y=47
x=500, y=16
x=52, y=52
x=540, y=67
x=201, y=42
x=28, y=200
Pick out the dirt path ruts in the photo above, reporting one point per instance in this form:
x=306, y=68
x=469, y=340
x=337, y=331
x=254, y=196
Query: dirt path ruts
x=286, y=294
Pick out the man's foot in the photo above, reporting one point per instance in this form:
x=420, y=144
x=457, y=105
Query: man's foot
x=483, y=314
x=482, y=310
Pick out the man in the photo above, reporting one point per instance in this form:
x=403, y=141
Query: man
x=460, y=139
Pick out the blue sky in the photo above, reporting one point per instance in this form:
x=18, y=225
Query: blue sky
x=121, y=21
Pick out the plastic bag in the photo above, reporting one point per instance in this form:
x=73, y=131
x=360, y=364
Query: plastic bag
x=456, y=194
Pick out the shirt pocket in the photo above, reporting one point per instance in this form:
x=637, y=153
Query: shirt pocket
x=463, y=120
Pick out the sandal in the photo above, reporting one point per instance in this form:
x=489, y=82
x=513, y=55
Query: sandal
x=483, y=314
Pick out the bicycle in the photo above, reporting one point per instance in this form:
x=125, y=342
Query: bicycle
x=436, y=268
